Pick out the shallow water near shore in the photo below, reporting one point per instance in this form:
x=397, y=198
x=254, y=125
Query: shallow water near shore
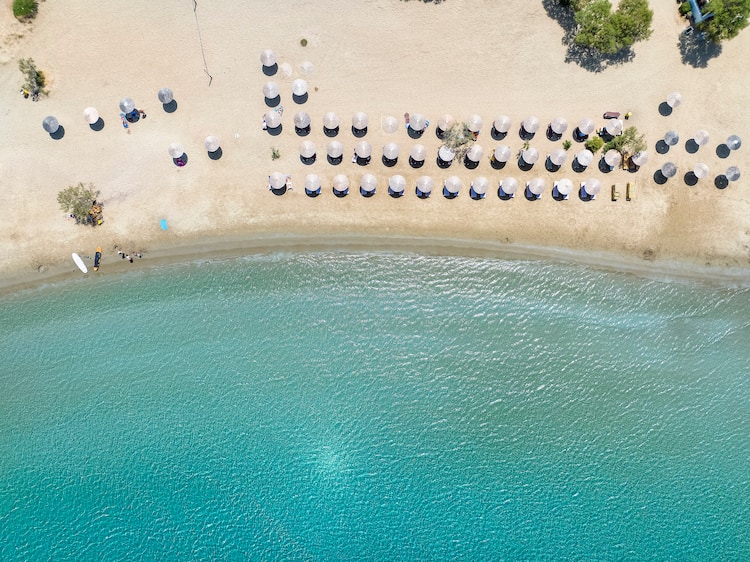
x=381, y=406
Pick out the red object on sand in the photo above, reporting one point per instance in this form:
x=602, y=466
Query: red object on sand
x=612, y=115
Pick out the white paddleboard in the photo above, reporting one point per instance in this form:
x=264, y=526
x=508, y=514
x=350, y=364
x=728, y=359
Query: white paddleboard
x=79, y=263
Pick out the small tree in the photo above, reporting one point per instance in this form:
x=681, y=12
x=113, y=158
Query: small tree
x=730, y=17
x=35, y=79
x=609, y=32
x=458, y=138
x=629, y=142
x=80, y=202
x=594, y=144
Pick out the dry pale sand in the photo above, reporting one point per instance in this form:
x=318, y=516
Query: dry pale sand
x=382, y=57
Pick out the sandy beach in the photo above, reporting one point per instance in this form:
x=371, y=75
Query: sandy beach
x=382, y=58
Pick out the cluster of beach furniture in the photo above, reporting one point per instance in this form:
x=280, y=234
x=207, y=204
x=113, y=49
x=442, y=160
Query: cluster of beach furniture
x=470, y=158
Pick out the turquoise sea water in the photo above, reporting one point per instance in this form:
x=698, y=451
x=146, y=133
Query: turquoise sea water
x=371, y=406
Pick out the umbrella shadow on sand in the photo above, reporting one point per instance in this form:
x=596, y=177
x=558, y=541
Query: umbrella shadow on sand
x=98, y=125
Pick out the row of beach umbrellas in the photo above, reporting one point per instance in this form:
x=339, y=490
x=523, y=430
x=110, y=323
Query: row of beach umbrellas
x=700, y=171
x=506, y=188
x=418, y=123
x=91, y=115
x=418, y=153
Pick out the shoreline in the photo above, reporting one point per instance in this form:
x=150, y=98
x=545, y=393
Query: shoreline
x=228, y=246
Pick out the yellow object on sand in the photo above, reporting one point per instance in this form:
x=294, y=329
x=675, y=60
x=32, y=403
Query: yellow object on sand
x=629, y=191
x=615, y=193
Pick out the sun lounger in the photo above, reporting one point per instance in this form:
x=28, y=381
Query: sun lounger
x=612, y=115
x=615, y=192
x=629, y=191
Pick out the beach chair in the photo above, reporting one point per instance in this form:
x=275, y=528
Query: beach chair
x=611, y=115
x=629, y=191
x=615, y=192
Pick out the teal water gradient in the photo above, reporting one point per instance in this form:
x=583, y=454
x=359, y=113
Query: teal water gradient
x=371, y=406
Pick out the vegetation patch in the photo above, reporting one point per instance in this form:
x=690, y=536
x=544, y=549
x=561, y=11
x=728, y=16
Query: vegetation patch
x=628, y=143
x=25, y=10
x=594, y=144
x=34, y=78
x=729, y=18
x=609, y=32
x=79, y=201
x=458, y=138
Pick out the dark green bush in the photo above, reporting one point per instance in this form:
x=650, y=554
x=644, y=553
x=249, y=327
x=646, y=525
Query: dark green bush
x=25, y=9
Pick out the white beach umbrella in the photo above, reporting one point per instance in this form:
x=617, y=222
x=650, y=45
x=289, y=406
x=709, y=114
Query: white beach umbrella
x=363, y=149
x=668, y=169
x=502, y=124
x=270, y=90
x=585, y=157
x=640, y=158
x=509, y=186
x=474, y=153
x=390, y=151
x=277, y=180
x=176, y=150
x=475, y=123
x=165, y=95
x=733, y=173
x=273, y=119
x=558, y=157
x=335, y=149
x=502, y=153
x=302, y=120
x=480, y=185
x=445, y=122
x=360, y=120
x=559, y=125
x=564, y=186
x=446, y=154
x=674, y=99
x=614, y=127
x=397, y=183
x=701, y=137
x=700, y=170
x=536, y=186
x=312, y=182
x=390, y=124
x=418, y=153
x=586, y=126
x=734, y=142
x=417, y=122
x=286, y=69
x=453, y=185
x=368, y=183
x=50, y=124
x=671, y=138
x=91, y=115
x=127, y=105
x=530, y=124
x=612, y=157
x=330, y=120
x=306, y=67
x=340, y=183
x=267, y=57
x=307, y=149
x=425, y=184
x=211, y=143
x=299, y=87
x=530, y=155
x=592, y=187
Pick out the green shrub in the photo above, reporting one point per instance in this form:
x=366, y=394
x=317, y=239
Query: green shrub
x=275, y=154
x=684, y=8
x=24, y=9
x=80, y=201
x=566, y=144
x=35, y=79
x=594, y=143
x=303, y=42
